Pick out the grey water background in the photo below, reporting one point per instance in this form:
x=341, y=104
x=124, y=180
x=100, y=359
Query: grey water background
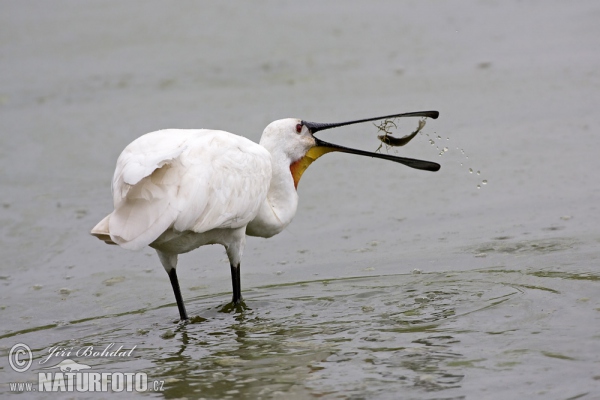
x=390, y=282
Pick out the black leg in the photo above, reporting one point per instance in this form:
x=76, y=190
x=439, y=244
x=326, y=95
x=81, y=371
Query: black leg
x=177, y=291
x=237, y=285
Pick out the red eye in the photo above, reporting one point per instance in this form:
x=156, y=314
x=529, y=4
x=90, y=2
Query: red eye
x=299, y=128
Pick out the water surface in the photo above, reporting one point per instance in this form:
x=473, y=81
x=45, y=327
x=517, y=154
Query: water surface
x=390, y=282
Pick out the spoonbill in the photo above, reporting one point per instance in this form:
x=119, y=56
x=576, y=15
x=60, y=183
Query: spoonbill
x=178, y=189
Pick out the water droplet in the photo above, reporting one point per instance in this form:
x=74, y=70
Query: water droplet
x=484, y=182
x=470, y=170
x=445, y=149
x=478, y=186
x=461, y=164
x=431, y=142
x=447, y=138
x=439, y=137
x=478, y=173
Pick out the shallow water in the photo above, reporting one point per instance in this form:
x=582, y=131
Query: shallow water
x=390, y=282
x=435, y=335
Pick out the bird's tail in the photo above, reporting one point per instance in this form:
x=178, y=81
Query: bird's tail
x=101, y=230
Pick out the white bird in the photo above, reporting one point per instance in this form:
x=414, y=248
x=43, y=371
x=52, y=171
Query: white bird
x=178, y=189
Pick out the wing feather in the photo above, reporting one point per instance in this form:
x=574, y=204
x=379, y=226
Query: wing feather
x=186, y=180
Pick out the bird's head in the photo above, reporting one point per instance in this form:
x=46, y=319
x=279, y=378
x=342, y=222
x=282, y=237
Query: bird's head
x=293, y=140
x=288, y=138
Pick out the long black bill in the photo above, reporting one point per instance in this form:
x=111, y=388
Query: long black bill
x=410, y=162
x=317, y=126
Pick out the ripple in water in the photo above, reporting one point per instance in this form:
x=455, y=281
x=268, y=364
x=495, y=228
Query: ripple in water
x=356, y=337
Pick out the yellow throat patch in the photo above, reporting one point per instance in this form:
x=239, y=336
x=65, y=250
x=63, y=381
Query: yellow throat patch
x=297, y=168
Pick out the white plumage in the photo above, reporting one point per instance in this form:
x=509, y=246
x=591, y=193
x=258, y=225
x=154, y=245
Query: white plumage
x=177, y=189
x=186, y=180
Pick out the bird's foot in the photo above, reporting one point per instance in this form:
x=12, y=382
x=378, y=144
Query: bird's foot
x=190, y=321
x=181, y=322
x=238, y=306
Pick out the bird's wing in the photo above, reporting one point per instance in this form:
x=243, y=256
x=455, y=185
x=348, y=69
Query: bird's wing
x=194, y=180
x=144, y=155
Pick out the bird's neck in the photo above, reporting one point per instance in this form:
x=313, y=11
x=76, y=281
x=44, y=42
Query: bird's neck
x=279, y=208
